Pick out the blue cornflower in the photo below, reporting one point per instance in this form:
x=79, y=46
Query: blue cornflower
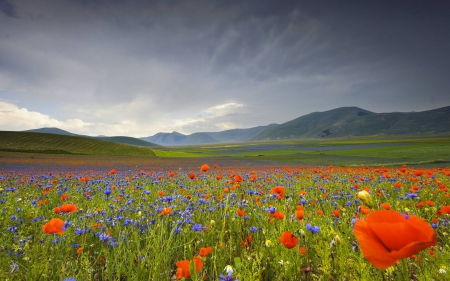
x=12, y=229
x=253, y=229
x=103, y=237
x=313, y=229
x=229, y=277
x=197, y=227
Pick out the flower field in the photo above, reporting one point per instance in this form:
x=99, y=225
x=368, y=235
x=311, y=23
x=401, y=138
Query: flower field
x=210, y=223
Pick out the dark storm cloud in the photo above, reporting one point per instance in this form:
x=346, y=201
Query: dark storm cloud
x=8, y=8
x=146, y=60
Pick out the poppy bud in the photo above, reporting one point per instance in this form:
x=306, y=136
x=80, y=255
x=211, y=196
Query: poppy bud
x=366, y=198
x=337, y=239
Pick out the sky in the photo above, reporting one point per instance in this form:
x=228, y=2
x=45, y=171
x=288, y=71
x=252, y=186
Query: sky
x=139, y=67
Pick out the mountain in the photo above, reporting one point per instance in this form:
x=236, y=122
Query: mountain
x=233, y=135
x=238, y=135
x=173, y=138
x=118, y=139
x=354, y=121
x=338, y=122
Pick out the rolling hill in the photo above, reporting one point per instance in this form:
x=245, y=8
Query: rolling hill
x=117, y=139
x=354, y=121
x=63, y=144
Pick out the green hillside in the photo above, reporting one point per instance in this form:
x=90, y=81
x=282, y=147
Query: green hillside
x=61, y=144
x=127, y=140
x=354, y=121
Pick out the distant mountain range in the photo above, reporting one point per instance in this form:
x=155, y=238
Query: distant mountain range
x=234, y=135
x=354, y=121
x=339, y=122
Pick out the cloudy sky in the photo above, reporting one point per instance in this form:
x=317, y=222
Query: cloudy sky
x=121, y=67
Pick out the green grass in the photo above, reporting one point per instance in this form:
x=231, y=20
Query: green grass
x=393, y=150
x=413, y=150
x=60, y=144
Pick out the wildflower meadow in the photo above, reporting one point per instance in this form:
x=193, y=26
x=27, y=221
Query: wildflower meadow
x=210, y=223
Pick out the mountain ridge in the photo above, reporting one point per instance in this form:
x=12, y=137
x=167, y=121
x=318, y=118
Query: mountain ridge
x=338, y=122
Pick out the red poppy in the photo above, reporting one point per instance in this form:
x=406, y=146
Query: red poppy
x=277, y=215
x=165, y=211
x=386, y=236
x=365, y=210
x=205, y=251
x=64, y=197
x=289, y=240
x=299, y=213
x=247, y=241
x=66, y=208
x=183, y=267
x=55, y=225
x=279, y=190
x=302, y=251
x=445, y=209
x=336, y=213
x=240, y=213
x=386, y=206
x=112, y=172
x=204, y=168
x=237, y=178
x=192, y=176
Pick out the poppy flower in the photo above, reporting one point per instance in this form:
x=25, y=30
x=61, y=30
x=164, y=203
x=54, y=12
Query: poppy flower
x=183, y=267
x=386, y=206
x=55, y=225
x=288, y=240
x=247, y=241
x=279, y=190
x=363, y=209
x=192, y=176
x=386, y=236
x=165, y=211
x=237, y=178
x=204, y=168
x=445, y=209
x=277, y=215
x=240, y=213
x=302, y=251
x=336, y=213
x=299, y=214
x=69, y=208
x=205, y=251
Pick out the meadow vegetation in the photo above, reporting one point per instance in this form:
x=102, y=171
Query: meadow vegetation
x=292, y=210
